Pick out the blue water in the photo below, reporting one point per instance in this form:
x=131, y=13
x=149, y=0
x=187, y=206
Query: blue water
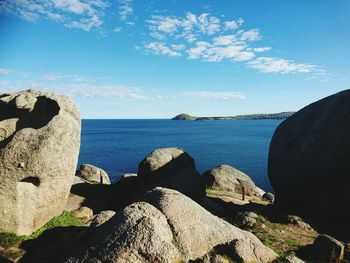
x=119, y=145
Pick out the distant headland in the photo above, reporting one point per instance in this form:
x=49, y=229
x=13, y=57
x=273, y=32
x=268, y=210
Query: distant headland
x=272, y=116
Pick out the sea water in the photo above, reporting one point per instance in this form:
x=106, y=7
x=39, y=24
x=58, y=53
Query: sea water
x=118, y=146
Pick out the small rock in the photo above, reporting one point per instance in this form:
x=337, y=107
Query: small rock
x=83, y=212
x=295, y=220
x=93, y=174
x=228, y=178
x=269, y=197
x=327, y=248
x=26, y=101
x=246, y=219
x=293, y=259
x=101, y=218
x=171, y=168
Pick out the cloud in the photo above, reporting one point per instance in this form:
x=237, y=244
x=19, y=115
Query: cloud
x=233, y=24
x=284, y=66
x=213, y=53
x=5, y=71
x=209, y=38
x=125, y=9
x=162, y=49
x=222, y=95
x=188, y=27
x=52, y=76
x=77, y=86
x=117, y=29
x=85, y=15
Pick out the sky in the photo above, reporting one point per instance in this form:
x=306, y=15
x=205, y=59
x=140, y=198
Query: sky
x=155, y=59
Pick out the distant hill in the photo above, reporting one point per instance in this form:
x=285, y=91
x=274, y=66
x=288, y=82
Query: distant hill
x=272, y=116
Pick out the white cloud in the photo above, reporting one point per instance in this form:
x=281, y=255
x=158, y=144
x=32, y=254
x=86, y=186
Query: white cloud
x=162, y=49
x=205, y=37
x=208, y=24
x=188, y=27
x=229, y=25
x=223, y=95
x=80, y=14
x=117, y=29
x=261, y=49
x=250, y=35
x=82, y=87
x=52, y=76
x=201, y=37
x=278, y=65
x=125, y=9
x=212, y=53
x=5, y=71
x=224, y=40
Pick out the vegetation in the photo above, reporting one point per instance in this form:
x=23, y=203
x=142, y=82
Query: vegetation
x=66, y=219
x=282, y=238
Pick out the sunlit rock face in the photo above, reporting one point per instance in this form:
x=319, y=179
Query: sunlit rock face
x=39, y=147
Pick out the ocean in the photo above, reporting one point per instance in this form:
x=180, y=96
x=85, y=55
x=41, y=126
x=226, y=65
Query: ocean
x=118, y=146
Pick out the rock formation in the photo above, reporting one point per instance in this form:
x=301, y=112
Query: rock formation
x=172, y=168
x=197, y=232
x=309, y=161
x=139, y=233
x=39, y=146
x=227, y=178
x=93, y=174
x=168, y=227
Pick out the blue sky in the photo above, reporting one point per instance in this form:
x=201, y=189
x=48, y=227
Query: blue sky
x=155, y=59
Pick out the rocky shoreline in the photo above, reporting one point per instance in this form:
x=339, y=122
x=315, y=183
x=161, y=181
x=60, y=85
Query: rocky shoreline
x=168, y=211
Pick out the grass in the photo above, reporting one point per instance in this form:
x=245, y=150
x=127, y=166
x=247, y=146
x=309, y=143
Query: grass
x=66, y=219
x=282, y=238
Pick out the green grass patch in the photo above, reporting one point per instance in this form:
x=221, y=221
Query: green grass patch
x=66, y=219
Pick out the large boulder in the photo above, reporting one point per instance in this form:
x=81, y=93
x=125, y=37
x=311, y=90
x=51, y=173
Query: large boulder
x=172, y=168
x=196, y=231
x=39, y=147
x=227, y=178
x=309, y=161
x=168, y=227
x=93, y=174
x=139, y=233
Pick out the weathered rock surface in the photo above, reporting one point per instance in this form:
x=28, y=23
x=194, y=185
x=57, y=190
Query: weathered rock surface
x=93, y=174
x=227, y=178
x=293, y=259
x=196, y=231
x=309, y=161
x=102, y=218
x=83, y=212
x=246, y=219
x=39, y=147
x=172, y=168
x=168, y=227
x=140, y=233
